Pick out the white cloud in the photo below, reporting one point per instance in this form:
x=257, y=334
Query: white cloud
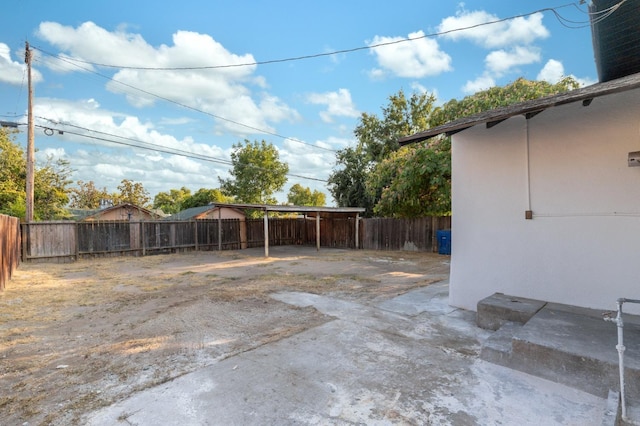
x=410, y=59
x=221, y=92
x=107, y=167
x=553, y=71
x=339, y=104
x=481, y=83
x=175, y=121
x=14, y=72
x=107, y=164
x=500, y=62
x=522, y=30
x=311, y=163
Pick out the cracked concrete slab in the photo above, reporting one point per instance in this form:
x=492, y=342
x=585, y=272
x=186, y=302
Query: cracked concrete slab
x=408, y=360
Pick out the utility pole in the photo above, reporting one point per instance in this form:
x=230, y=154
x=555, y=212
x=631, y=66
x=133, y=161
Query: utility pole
x=28, y=217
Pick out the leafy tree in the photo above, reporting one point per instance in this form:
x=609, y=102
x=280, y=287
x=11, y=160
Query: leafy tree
x=347, y=184
x=416, y=180
x=86, y=196
x=401, y=117
x=51, y=188
x=132, y=193
x=51, y=182
x=257, y=173
x=204, y=196
x=520, y=90
x=377, y=139
x=12, y=176
x=171, y=202
x=301, y=196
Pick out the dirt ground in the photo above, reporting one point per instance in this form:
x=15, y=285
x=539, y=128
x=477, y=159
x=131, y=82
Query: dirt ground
x=75, y=337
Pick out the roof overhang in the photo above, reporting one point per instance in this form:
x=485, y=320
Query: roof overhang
x=529, y=108
x=295, y=209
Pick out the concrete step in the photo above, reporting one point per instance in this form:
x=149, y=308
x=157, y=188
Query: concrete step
x=569, y=345
x=498, y=347
x=577, y=347
x=497, y=309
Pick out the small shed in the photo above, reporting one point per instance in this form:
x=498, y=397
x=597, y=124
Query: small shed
x=123, y=212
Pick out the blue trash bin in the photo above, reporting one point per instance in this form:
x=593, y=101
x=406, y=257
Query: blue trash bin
x=444, y=241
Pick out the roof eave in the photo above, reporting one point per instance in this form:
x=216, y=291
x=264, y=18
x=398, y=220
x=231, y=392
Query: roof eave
x=527, y=108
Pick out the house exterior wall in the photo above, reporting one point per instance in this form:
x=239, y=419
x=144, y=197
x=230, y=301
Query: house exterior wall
x=582, y=246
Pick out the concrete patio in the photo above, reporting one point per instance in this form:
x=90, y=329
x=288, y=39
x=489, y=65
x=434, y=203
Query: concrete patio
x=411, y=359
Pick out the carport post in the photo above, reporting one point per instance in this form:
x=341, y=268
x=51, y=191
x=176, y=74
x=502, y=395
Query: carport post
x=266, y=233
x=317, y=231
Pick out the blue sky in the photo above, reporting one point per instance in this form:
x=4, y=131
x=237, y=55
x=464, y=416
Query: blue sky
x=307, y=108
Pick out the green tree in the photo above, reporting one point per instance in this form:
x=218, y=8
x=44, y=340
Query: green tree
x=132, y=193
x=520, y=90
x=51, y=189
x=171, y=202
x=419, y=177
x=401, y=117
x=51, y=182
x=86, y=196
x=301, y=196
x=377, y=138
x=204, y=196
x=347, y=182
x=257, y=173
x=12, y=175
x=416, y=180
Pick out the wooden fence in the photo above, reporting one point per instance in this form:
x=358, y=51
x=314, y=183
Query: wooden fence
x=67, y=241
x=418, y=234
x=335, y=233
x=9, y=247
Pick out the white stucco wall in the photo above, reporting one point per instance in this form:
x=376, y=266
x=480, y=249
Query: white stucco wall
x=583, y=245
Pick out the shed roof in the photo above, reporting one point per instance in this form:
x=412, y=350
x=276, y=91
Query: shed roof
x=296, y=209
x=130, y=206
x=192, y=212
x=528, y=108
x=189, y=213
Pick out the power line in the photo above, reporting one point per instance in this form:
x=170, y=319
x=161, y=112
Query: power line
x=74, y=62
x=189, y=106
x=135, y=143
x=594, y=18
x=336, y=52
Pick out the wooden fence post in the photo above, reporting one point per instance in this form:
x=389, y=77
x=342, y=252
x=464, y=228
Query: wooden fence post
x=434, y=232
x=144, y=239
x=195, y=233
x=77, y=236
